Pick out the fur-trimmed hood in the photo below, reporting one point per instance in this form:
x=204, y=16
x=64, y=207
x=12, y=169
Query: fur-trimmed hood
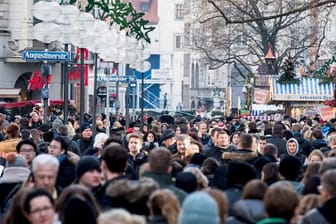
x=131, y=190
x=240, y=154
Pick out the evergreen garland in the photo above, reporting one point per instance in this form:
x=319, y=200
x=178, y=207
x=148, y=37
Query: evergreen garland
x=288, y=75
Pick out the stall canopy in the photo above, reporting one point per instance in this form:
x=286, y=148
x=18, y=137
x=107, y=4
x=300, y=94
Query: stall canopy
x=309, y=89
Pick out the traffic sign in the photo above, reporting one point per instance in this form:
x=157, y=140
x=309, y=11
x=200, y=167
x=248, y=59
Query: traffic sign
x=46, y=55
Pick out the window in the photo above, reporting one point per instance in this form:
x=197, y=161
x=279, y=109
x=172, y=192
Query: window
x=178, y=41
x=179, y=13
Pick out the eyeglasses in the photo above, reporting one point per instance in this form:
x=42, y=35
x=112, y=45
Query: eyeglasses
x=52, y=147
x=42, y=209
x=27, y=150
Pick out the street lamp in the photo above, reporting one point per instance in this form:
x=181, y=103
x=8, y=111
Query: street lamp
x=46, y=31
x=69, y=13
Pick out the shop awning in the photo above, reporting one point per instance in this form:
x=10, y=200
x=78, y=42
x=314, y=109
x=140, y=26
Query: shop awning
x=308, y=89
x=13, y=93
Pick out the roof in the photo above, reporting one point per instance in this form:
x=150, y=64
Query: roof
x=309, y=89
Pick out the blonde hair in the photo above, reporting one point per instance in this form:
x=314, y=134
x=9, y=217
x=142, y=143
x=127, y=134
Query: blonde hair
x=309, y=202
x=164, y=202
x=120, y=216
x=316, y=152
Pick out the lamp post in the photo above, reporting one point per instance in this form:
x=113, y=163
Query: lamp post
x=46, y=32
x=69, y=14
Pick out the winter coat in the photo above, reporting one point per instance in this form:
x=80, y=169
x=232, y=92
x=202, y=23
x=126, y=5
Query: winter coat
x=273, y=221
x=130, y=195
x=66, y=173
x=241, y=154
x=324, y=214
x=217, y=152
x=319, y=143
x=165, y=182
x=247, y=211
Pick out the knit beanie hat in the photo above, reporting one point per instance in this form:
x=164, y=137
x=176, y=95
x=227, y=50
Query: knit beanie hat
x=84, y=126
x=56, y=123
x=14, y=160
x=167, y=134
x=85, y=164
x=199, y=208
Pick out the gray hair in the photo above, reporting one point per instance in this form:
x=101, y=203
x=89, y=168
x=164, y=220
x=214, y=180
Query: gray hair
x=44, y=160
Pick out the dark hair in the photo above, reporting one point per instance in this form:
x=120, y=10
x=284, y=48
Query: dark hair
x=115, y=157
x=317, y=133
x=254, y=189
x=271, y=173
x=25, y=142
x=34, y=194
x=209, y=166
x=245, y=141
x=61, y=140
x=159, y=160
x=270, y=149
x=150, y=132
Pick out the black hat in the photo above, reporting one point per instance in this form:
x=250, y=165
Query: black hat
x=167, y=134
x=331, y=130
x=84, y=126
x=44, y=128
x=85, y=164
x=290, y=168
x=186, y=181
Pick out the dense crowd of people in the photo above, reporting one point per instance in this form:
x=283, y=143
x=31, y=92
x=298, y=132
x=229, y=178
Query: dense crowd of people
x=212, y=171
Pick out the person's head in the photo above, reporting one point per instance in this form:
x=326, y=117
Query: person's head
x=328, y=183
x=168, y=137
x=222, y=139
x=292, y=146
x=182, y=143
x=44, y=169
x=270, y=173
x=290, y=168
x=72, y=197
x=222, y=203
x=88, y=172
x=15, y=160
x=12, y=131
x=234, y=138
x=309, y=202
x=114, y=159
x=86, y=131
x=255, y=143
x=311, y=170
x=134, y=143
x=270, y=150
x=327, y=164
x=245, y=141
x=203, y=127
x=332, y=141
x=62, y=130
x=137, y=129
x=99, y=140
x=164, y=202
x=254, y=189
x=262, y=143
x=119, y=216
x=281, y=201
x=199, y=207
x=39, y=206
x=209, y=166
x=315, y=156
x=277, y=129
x=317, y=134
x=34, y=116
x=58, y=147
x=27, y=149
x=150, y=136
x=159, y=160
x=213, y=134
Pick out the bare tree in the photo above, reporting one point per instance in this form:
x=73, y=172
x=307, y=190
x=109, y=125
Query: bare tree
x=239, y=32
